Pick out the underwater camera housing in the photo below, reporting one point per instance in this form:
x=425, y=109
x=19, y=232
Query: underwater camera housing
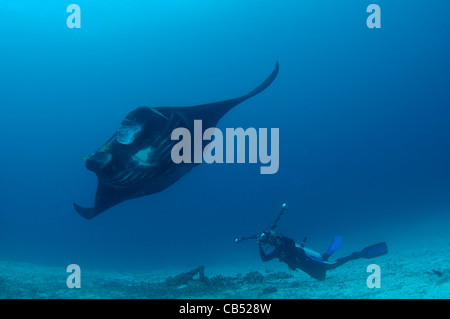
x=238, y=240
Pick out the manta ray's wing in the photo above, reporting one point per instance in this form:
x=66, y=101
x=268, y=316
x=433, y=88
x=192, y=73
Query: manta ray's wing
x=109, y=195
x=211, y=113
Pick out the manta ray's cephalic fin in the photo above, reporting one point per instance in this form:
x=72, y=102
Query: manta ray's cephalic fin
x=87, y=213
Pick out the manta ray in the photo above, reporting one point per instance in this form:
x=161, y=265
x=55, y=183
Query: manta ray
x=136, y=160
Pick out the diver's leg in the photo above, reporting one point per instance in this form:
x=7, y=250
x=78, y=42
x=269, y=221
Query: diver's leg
x=334, y=246
x=367, y=253
x=313, y=253
x=341, y=261
x=314, y=267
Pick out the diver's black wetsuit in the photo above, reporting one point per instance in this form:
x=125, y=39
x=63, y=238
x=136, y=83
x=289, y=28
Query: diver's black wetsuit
x=295, y=257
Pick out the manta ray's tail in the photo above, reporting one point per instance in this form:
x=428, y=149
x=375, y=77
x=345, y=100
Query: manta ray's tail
x=211, y=113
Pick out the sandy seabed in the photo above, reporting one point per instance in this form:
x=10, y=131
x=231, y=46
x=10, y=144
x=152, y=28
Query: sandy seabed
x=415, y=267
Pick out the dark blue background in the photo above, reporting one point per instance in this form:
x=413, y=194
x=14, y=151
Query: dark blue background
x=363, y=117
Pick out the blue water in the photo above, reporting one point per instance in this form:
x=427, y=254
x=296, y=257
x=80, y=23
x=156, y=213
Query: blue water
x=363, y=117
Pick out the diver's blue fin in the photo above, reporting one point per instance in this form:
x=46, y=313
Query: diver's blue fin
x=374, y=251
x=335, y=244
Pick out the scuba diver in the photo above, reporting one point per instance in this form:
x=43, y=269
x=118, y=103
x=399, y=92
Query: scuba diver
x=297, y=256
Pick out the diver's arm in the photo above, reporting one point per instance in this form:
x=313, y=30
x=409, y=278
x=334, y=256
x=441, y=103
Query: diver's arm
x=264, y=256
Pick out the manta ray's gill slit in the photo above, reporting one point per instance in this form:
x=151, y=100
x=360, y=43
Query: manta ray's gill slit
x=134, y=178
x=124, y=177
x=165, y=148
x=170, y=125
x=157, y=112
x=126, y=181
